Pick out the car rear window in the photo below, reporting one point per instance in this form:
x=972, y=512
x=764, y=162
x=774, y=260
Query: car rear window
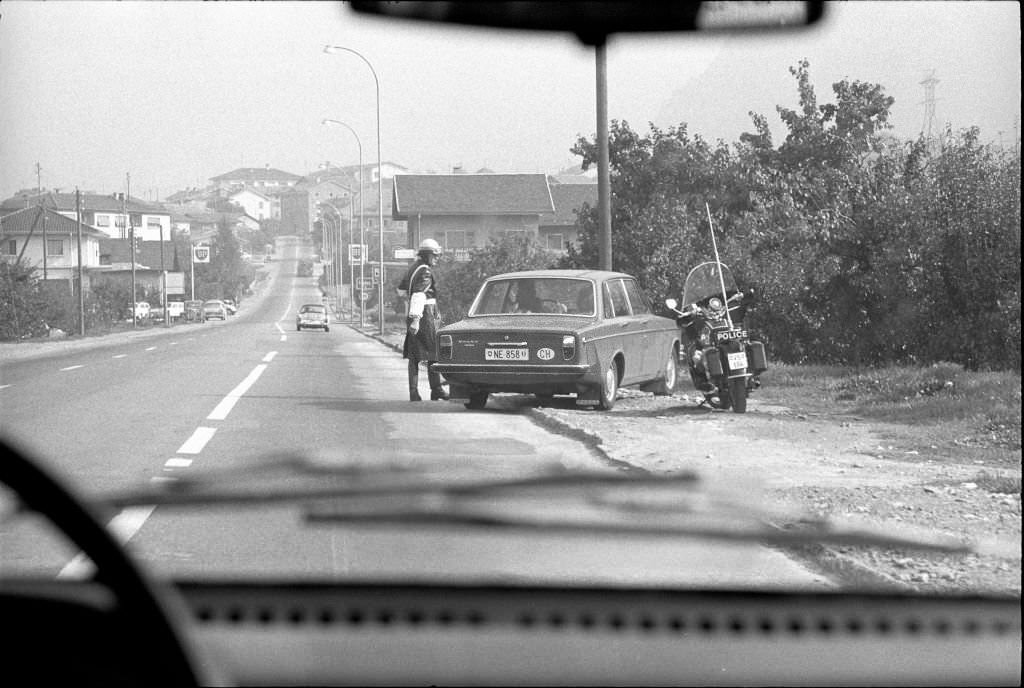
x=312, y=309
x=536, y=295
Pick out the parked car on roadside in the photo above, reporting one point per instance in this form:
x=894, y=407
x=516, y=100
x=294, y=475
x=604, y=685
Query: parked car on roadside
x=214, y=308
x=194, y=311
x=312, y=315
x=547, y=332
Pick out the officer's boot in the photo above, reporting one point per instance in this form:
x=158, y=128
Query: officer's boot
x=414, y=380
x=437, y=392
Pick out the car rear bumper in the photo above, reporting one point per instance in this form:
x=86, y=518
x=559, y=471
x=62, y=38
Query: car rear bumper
x=520, y=378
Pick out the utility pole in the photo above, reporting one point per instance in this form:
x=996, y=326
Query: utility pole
x=604, y=245
x=81, y=282
x=42, y=211
x=131, y=238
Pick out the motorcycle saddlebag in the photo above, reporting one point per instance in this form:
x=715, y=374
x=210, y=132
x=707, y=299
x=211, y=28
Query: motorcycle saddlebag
x=758, y=361
x=712, y=362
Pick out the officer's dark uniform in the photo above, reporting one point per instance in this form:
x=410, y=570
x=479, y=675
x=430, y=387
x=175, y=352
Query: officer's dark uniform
x=422, y=346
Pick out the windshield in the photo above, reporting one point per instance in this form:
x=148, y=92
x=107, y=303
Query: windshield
x=536, y=295
x=862, y=178
x=707, y=280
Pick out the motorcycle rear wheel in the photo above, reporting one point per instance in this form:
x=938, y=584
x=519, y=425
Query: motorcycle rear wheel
x=738, y=393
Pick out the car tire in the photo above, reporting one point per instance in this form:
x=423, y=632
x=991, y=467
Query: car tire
x=327, y=329
x=738, y=394
x=667, y=384
x=609, y=388
x=477, y=401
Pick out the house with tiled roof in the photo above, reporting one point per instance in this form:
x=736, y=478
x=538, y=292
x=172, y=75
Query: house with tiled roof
x=267, y=179
x=559, y=229
x=464, y=211
x=256, y=205
x=26, y=233
x=106, y=212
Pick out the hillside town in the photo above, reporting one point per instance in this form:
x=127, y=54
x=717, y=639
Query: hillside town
x=118, y=239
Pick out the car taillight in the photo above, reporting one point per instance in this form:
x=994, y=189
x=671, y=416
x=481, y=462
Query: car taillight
x=568, y=347
x=446, y=346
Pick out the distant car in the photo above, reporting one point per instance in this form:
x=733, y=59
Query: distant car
x=194, y=311
x=214, y=308
x=230, y=305
x=142, y=310
x=312, y=315
x=547, y=332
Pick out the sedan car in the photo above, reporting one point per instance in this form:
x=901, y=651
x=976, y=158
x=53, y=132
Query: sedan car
x=312, y=315
x=194, y=311
x=214, y=308
x=547, y=332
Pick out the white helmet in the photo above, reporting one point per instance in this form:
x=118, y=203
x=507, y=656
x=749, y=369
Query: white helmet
x=430, y=246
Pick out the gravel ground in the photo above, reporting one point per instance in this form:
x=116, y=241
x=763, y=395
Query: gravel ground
x=837, y=465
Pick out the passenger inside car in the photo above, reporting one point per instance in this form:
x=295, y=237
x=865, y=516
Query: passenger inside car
x=522, y=298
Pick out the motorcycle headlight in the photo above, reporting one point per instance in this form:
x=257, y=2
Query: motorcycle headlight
x=715, y=303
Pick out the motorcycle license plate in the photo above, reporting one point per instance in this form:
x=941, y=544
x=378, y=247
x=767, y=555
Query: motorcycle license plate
x=507, y=354
x=737, y=360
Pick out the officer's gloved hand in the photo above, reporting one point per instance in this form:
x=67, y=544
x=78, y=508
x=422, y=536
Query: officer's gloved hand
x=414, y=325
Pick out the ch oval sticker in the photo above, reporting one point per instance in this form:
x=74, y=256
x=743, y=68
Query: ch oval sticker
x=545, y=354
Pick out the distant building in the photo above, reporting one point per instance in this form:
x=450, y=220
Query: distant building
x=31, y=231
x=105, y=212
x=465, y=211
x=561, y=228
x=266, y=179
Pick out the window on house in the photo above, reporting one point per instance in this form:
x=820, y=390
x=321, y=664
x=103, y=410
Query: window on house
x=455, y=238
x=102, y=220
x=12, y=247
x=554, y=242
x=55, y=247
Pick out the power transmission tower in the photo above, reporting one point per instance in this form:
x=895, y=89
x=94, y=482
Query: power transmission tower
x=929, y=105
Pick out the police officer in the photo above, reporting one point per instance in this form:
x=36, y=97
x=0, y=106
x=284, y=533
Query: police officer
x=423, y=320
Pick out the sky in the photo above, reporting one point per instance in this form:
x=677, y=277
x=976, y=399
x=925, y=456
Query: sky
x=174, y=93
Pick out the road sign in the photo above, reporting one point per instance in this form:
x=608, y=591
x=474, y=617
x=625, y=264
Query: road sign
x=405, y=253
x=364, y=284
x=357, y=254
x=364, y=296
x=376, y=274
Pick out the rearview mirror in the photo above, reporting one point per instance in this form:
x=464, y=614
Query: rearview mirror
x=595, y=21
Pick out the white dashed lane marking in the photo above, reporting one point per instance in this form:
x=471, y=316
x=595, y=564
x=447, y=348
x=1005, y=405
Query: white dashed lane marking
x=227, y=403
x=72, y=367
x=198, y=440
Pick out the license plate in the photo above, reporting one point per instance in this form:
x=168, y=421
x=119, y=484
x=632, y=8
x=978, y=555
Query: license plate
x=738, y=360
x=507, y=354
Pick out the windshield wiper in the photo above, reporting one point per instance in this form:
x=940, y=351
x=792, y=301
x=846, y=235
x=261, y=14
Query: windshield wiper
x=551, y=500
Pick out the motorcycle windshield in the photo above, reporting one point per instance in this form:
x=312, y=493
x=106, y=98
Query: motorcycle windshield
x=704, y=282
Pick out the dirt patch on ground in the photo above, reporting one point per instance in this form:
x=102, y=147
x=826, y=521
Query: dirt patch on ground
x=838, y=465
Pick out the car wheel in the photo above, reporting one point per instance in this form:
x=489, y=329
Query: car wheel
x=667, y=384
x=326, y=329
x=609, y=387
x=477, y=401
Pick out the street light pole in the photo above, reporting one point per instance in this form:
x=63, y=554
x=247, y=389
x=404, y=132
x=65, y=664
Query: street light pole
x=362, y=239
x=380, y=182
x=351, y=271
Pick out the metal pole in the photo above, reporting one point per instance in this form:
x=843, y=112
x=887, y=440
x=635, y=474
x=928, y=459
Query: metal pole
x=131, y=238
x=39, y=193
x=604, y=246
x=81, y=283
x=163, y=278
x=192, y=269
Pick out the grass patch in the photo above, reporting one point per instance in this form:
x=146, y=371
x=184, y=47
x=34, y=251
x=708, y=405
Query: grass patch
x=959, y=407
x=998, y=483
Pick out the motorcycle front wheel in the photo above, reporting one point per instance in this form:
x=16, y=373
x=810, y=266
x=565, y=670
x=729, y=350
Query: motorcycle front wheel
x=738, y=393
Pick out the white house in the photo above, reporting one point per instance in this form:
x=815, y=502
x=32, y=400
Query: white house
x=26, y=232
x=255, y=204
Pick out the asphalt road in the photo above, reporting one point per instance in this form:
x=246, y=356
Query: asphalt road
x=238, y=394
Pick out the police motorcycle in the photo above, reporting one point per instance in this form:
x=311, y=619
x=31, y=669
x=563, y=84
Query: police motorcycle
x=724, y=364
